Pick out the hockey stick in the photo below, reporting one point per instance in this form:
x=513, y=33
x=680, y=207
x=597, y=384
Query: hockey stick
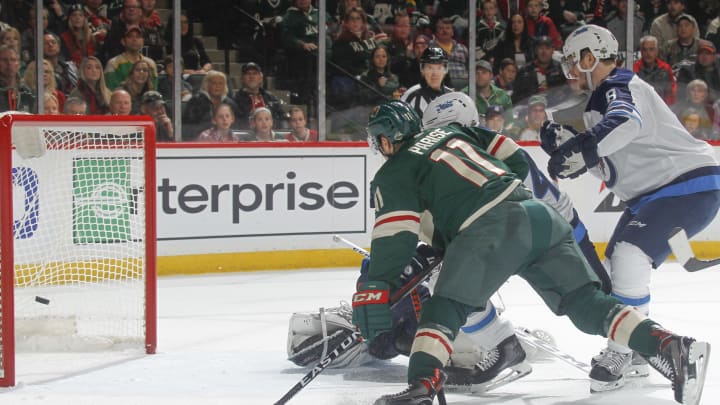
x=356, y=248
x=528, y=337
x=353, y=338
x=682, y=250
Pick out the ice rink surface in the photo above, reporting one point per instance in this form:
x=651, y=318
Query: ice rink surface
x=222, y=340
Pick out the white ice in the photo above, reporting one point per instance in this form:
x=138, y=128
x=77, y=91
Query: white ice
x=222, y=341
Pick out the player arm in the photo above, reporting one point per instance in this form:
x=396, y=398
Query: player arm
x=395, y=234
x=500, y=147
x=620, y=124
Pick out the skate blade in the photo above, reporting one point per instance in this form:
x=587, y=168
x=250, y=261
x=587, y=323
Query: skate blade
x=597, y=386
x=514, y=373
x=692, y=390
x=637, y=371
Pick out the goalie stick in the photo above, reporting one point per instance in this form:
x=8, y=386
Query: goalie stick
x=682, y=250
x=353, y=338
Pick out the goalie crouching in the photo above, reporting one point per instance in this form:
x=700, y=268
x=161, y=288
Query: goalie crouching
x=487, y=356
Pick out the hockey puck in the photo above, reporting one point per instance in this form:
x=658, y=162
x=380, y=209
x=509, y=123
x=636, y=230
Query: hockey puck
x=42, y=300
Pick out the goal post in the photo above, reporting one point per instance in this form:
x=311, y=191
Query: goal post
x=77, y=235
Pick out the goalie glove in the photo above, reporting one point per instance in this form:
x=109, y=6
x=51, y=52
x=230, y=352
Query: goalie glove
x=552, y=135
x=574, y=157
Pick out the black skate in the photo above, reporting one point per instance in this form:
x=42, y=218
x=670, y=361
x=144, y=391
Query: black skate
x=683, y=361
x=421, y=392
x=608, y=370
x=502, y=365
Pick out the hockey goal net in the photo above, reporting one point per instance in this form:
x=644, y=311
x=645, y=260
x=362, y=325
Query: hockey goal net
x=77, y=235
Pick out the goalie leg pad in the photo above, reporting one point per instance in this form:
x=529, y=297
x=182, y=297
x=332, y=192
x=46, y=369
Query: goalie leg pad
x=312, y=335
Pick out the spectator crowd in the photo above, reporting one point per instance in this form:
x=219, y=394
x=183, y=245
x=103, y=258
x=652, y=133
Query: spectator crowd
x=116, y=57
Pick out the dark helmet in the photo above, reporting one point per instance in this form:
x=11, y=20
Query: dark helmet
x=434, y=54
x=394, y=120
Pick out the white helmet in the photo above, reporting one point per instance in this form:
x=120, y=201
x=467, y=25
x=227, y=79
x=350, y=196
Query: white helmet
x=451, y=107
x=598, y=40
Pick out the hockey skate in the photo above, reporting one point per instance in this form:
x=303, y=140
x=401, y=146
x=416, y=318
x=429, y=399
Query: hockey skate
x=421, y=392
x=684, y=362
x=502, y=365
x=608, y=370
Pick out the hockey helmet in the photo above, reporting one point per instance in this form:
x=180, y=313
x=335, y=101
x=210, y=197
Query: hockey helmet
x=451, y=107
x=598, y=40
x=394, y=120
x=434, y=54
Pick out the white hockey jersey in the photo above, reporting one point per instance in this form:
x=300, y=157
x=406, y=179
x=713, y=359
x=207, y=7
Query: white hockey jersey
x=641, y=143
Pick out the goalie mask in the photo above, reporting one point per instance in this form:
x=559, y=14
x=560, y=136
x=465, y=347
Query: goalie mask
x=449, y=108
x=597, y=40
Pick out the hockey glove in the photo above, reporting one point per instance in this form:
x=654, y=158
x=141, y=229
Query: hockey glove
x=371, y=309
x=574, y=157
x=553, y=135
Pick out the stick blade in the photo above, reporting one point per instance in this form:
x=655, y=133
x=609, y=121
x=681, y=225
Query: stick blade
x=682, y=250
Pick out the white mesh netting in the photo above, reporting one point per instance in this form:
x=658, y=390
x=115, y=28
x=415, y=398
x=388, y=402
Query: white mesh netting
x=79, y=225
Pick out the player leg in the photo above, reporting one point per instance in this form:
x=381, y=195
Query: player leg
x=639, y=244
x=487, y=354
x=556, y=275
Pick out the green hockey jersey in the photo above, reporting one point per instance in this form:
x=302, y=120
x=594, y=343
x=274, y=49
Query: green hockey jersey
x=455, y=174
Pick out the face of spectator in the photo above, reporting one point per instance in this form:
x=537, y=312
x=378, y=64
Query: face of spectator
x=433, y=73
x=354, y=22
x=51, y=47
x=444, y=32
x=132, y=12
x=45, y=18
x=297, y=121
x=155, y=110
x=92, y=70
x=9, y=64
x=419, y=46
x=93, y=4
x=303, y=5
x=489, y=10
x=705, y=58
x=184, y=25
x=252, y=80
x=75, y=109
x=141, y=73
x=698, y=94
x=622, y=7
x=223, y=118
x=675, y=8
x=482, y=78
x=380, y=58
x=216, y=86
x=133, y=41
x=263, y=123
x=495, y=122
x=649, y=52
x=401, y=28
x=536, y=116
x=509, y=73
x=691, y=122
x=533, y=8
x=76, y=19
x=51, y=106
x=148, y=5
x=47, y=73
x=120, y=103
x=685, y=29
x=544, y=54
x=11, y=39
x=517, y=24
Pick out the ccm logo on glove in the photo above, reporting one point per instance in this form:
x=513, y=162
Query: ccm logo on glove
x=371, y=297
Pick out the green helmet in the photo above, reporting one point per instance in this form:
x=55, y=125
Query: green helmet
x=394, y=120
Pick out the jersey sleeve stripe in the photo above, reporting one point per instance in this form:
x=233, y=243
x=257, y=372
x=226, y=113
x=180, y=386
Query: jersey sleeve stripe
x=501, y=148
x=395, y=222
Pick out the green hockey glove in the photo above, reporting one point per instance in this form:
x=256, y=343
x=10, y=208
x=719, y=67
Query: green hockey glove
x=371, y=309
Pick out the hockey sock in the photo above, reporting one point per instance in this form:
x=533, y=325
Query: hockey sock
x=431, y=350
